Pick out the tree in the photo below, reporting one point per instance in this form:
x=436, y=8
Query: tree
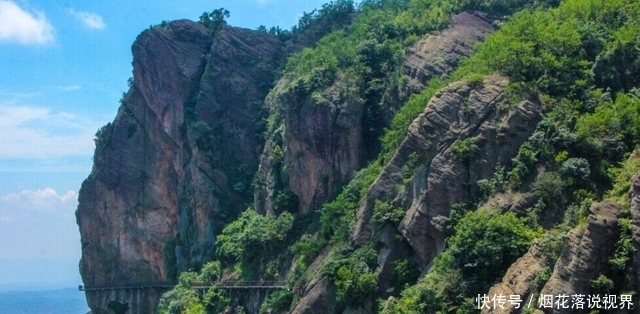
x=485, y=244
x=215, y=19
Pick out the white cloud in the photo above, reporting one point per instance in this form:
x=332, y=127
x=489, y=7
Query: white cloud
x=39, y=133
x=68, y=88
x=14, y=96
x=18, y=25
x=18, y=205
x=45, y=166
x=37, y=224
x=44, y=198
x=91, y=20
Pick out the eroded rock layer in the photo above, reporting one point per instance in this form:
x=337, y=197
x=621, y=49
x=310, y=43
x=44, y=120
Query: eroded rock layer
x=324, y=138
x=461, y=111
x=634, y=195
x=585, y=254
x=160, y=189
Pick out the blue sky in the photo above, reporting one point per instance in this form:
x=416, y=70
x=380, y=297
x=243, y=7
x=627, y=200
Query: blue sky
x=63, y=67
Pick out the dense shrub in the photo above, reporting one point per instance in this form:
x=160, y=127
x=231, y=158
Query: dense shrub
x=181, y=298
x=277, y=302
x=215, y=19
x=252, y=237
x=485, y=244
x=210, y=272
x=464, y=150
x=354, y=275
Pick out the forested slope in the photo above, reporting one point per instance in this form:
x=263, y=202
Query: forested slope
x=570, y=72
x=417, y=154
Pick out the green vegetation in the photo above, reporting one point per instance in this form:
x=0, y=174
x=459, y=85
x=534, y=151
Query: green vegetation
x=464, y=150
x=215, y=19
x=622, y=176
x=277, y=302
x=384, y=212
x=354, y=275
x=251, y=239
x=483, y=246
x=591, y=122
x=579, y=59
x=337, y=216
x=170, y=262
x=613, y=121
x=183, y=299
x=402, y=119
x=285, y=201
x=210, y=272
x=403, y=274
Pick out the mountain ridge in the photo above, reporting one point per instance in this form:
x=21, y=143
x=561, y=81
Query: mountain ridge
x=380, y=164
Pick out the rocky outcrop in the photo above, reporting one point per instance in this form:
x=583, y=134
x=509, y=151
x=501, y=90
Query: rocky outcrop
x=316, y=299
x=461, y=111
x=159, y=189
x=586, y=254
x=321, y=140
x=324, y=138
x=438, y=55
x=518, y=281
x=319, y=292
x=634, y=196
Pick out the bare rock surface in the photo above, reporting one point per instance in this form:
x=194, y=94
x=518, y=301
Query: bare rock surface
x=323, y=139
x=518, y=280
x=460, y=111
x=319, y=292
x=437, y=55
x=634, y=196
x=585, y=254
x=156, y=194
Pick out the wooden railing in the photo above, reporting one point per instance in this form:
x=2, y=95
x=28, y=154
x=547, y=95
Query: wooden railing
x=271, y=285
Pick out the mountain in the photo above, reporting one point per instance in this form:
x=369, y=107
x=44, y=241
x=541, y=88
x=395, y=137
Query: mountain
x=387, y=157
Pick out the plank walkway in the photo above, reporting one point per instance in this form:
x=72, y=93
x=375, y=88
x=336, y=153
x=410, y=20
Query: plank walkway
x=164, y=286
x=244, y=285
x=267, y=285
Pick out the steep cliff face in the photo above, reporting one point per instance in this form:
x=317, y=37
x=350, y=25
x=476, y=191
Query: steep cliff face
x=438, y=55
x=438, y=178
x=519, y=280
x=205, y=132
x=586, y=254
x=324, y=138
x=160, y=189
x=462, y=111
x=634, y=196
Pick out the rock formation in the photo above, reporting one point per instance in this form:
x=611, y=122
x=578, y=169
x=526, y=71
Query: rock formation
x=323, y=138
x=438, y=55
x=518, y=281
x=160, y=188
x=634, y=196
x=209, y=128
x=585, y=254
x=460, y=111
